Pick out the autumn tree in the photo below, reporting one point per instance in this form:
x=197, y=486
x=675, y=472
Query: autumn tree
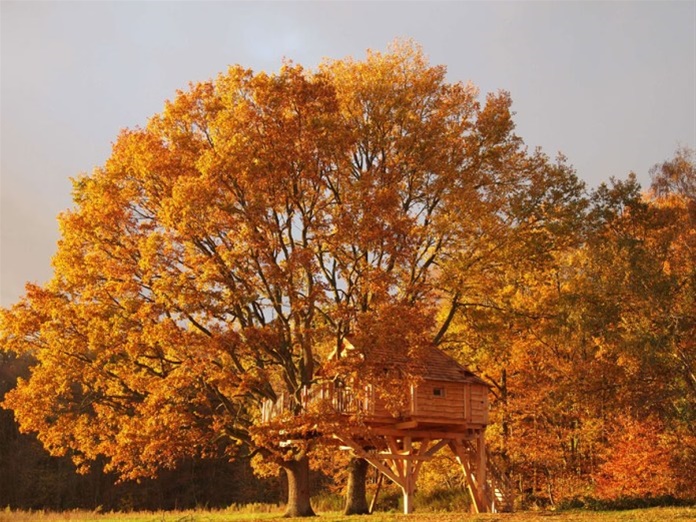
x=639, y=463
x=592, y=336
x=226, y=248
x=536, y=213
x=639, y=288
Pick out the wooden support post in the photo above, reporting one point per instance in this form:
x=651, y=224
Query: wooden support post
x=414, y=405
x=402, y=463
x=423, y=455
x=481, y=470
x=374, y=499
x=476, y=491
x=409, y=485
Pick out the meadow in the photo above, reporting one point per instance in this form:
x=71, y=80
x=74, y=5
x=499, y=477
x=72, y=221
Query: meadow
x=234, y=514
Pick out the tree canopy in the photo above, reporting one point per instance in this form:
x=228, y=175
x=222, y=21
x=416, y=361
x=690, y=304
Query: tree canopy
x=591, y=353
x=229, y=246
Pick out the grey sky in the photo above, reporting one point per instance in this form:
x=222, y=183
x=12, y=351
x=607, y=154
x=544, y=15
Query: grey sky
x=610, y=85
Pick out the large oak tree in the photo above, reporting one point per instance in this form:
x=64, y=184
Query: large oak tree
x=227, y=247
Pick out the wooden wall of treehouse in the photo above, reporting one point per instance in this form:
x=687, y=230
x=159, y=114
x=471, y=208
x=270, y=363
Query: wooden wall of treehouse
x=443, y=400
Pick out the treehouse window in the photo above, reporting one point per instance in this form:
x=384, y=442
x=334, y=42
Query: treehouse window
x=438, y=392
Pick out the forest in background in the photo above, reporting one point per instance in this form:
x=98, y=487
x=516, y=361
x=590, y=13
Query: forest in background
x=425, y=220
x=30, y=478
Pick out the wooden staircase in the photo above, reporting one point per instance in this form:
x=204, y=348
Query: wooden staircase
x=499, y=489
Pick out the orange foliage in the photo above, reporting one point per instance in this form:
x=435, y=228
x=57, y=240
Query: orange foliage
x=589, y=319
x=224, y=250
x=260, y=220
x=638, y=462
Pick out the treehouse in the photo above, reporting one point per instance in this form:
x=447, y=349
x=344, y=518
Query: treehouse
x=441, y=405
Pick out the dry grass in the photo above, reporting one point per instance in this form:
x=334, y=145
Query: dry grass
x=234, y=514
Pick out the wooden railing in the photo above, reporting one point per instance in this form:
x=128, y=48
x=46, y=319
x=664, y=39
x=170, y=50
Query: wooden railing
x=341, y=399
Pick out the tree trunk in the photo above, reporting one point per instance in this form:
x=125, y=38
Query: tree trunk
x=298, y=488
x=356, y=500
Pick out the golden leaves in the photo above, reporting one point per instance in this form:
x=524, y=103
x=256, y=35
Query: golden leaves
x=247, y=230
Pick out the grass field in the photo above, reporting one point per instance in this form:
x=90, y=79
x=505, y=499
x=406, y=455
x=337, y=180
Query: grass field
x=639, y=515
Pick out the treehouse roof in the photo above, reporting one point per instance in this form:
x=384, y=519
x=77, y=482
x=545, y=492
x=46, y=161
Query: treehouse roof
x=441, y=367
x=433, y=363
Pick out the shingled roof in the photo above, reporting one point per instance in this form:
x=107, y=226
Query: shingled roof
x=434, y=364
x=441, y=367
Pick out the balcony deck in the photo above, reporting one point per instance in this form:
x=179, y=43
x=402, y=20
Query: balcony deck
x=421, y=418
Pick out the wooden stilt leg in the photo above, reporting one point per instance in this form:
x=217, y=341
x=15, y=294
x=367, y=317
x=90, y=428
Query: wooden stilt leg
x=401, y=463
x=374, y=499
x=478, y=503
x=481, y=470
x=409, y=479
x=408, y=501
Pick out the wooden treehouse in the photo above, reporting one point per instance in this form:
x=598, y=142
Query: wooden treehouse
x=447, y=408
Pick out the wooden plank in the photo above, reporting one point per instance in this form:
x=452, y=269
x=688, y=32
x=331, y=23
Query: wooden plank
x=405, y=425
x=454, y=404
x=424, y=404
x=398, y=456
x=421, y=434
x=474, y=489
x=479, y=388
x=444, y=412
x=467, y=402
x=437, y=447
x=479, y=417
x=360, y=452
x=437, y=419
x=455, y=417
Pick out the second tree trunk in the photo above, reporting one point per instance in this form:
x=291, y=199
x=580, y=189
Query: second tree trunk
x=356, y=501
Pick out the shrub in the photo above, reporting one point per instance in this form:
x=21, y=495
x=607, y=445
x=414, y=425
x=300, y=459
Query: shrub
x=444, y=499
x=328, y=501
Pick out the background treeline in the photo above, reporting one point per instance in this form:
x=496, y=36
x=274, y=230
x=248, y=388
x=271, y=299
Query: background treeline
x=591, y=349
x=32, y=479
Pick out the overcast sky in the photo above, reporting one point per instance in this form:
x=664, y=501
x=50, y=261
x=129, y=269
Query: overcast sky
x=610, y=85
